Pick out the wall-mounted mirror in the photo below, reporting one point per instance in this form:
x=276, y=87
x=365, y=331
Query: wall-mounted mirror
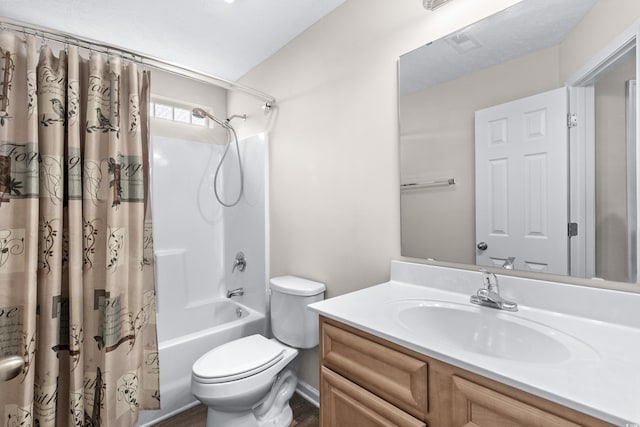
x=517, y=141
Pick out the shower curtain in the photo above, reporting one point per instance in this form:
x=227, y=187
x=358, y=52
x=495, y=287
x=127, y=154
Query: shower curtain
x=77, y=297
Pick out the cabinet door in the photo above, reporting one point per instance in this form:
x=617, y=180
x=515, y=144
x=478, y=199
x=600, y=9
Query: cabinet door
x=392, y=375
x=345, y=404
x=478, y=406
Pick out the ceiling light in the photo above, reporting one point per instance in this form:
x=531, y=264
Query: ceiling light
x=433, y=4
x=229, y=1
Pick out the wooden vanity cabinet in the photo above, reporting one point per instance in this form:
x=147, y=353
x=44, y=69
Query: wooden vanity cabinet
x=366, y=381
x=344, y=403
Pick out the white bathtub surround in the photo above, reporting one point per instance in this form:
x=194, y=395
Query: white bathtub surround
x=190, y=224
x=195, y=242
x=595, y=332
x=246, y=224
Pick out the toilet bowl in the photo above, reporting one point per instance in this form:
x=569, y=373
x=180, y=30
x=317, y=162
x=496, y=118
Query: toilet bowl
x=248, y=382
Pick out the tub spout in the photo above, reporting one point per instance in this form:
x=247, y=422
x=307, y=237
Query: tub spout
x=235, y=292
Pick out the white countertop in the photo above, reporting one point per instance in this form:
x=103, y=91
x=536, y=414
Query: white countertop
x=604, y=381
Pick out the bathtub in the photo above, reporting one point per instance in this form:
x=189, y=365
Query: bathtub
x=213, y=324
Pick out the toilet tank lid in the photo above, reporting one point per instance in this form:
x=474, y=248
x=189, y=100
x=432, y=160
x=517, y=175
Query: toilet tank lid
x=293, y=285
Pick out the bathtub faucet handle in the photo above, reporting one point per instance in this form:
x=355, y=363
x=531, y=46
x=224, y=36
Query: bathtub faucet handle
x=240, y=263
x=235, y=293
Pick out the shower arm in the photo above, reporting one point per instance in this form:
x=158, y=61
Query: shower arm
x=237, y=116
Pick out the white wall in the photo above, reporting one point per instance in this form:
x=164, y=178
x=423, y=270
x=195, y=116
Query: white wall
x=335, y=214
x=605, y=21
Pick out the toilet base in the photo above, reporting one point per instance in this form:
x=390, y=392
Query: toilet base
x=273, y=411
x=230, y=419
x=247, y=419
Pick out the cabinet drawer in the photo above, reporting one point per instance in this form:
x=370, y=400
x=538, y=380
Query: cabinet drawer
x=344, y=404
x=479, y=406
x=396, y=377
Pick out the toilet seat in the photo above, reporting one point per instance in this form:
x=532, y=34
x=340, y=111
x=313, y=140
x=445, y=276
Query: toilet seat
x=237, y=359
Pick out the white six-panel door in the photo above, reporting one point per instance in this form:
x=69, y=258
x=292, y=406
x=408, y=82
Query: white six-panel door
x=521, y=183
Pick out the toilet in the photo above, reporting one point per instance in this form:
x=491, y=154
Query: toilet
x=248, y=382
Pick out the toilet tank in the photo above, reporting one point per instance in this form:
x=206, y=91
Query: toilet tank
x=292, y=322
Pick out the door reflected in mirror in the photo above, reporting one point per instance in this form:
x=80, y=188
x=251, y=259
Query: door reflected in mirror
x=515, y=142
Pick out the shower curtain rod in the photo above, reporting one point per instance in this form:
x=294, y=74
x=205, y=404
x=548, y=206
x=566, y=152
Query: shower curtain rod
x=145, y=60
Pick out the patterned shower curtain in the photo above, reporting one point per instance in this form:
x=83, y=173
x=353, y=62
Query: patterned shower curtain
x=77, y=298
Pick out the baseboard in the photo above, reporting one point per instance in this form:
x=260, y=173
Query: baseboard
x=309, y=393
x=155, y=421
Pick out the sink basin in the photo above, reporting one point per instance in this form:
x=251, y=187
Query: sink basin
x=486, y=331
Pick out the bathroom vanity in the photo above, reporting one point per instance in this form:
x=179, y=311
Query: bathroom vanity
x=365, y=377
x=415, y=352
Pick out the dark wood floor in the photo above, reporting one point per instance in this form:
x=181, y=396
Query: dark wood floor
x=304, y=415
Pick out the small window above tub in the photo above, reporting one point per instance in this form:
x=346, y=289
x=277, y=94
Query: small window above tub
x=175, y=111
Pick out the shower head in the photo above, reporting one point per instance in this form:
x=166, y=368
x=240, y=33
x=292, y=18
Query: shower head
x=201, y=114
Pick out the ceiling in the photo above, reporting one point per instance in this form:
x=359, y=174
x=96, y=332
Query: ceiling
x=523, y=28
x=210, y=36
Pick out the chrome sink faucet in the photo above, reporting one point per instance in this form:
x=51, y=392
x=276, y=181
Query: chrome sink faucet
x=508, y=263
x=489, y=294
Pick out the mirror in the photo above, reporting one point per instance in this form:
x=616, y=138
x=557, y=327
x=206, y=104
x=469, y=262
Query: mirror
x=532, y=48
